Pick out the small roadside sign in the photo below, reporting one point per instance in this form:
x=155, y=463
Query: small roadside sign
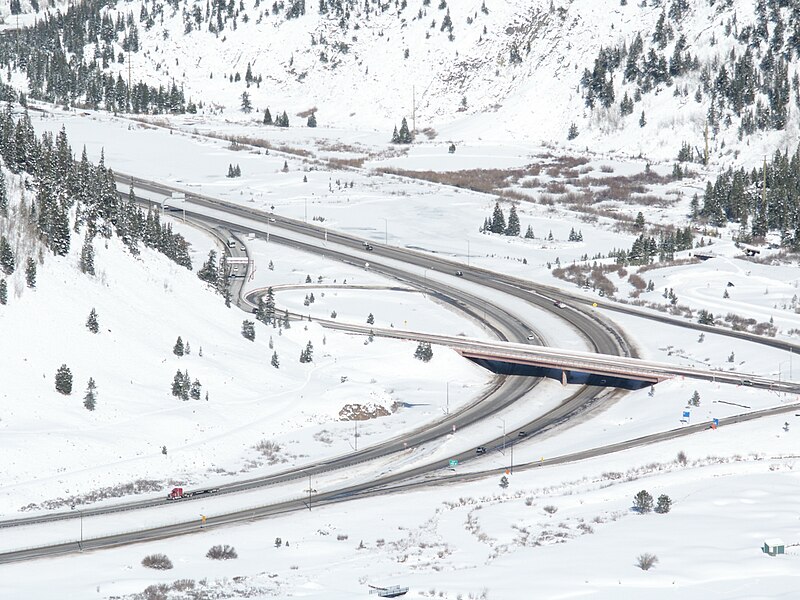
x=453, y=462
x=715, y=422
x=686, y=414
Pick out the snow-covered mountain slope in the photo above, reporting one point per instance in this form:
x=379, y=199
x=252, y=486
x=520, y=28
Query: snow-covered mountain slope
x=632, y=77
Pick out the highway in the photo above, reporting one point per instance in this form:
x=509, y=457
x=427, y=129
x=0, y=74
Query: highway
x=601, y=335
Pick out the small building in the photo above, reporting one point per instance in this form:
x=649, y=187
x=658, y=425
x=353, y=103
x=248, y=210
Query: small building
x=773, y=546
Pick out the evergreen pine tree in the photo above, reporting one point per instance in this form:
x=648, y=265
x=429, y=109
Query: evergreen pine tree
x=404, y=134
x=64, y=380
x=6, y=256
x=208, y=272
x=3, y=292
x=3, y=194
x=196, y=390
x=91, y=323
x=267, y=117
x=87, y=255
x=275, y=362
x=643, y=502
x=90, y=398
x=248, y=330
x=573, y=132
x=498, y=219
x=30, y=272
x=247, y=106
x=663, y=504
x=513, y=222
x=642, y=120
x=177, y=384
x=529, y=233
x=695, y=399
x=178, y=349
x=312, y=120
x=395, y=136
x=370, y=319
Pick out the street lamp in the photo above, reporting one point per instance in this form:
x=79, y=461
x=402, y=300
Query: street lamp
x=386, y=231
x=310, y=491
x=467, y=252
x=447, y=398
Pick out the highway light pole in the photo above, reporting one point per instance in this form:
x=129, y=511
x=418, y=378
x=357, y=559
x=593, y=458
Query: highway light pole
x=386, y=231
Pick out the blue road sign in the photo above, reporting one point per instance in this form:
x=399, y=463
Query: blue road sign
x=716, y=422
x=686, y=414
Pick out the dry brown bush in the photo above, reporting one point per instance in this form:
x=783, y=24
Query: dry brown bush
x=157, y=561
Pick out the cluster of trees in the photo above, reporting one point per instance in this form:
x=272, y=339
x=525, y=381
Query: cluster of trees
x=498, y=224
x=63, y=384
x=763, y=199
x=234, y=171
x=282, y=120
x=643, y=503
x=307, y=354
x=403, y=136
x=72, y=195
x=750, y=82
x=184, y=388
x=52, y=55
x=646, y=248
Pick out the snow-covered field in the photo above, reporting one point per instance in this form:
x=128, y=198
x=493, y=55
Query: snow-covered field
x=554, y=532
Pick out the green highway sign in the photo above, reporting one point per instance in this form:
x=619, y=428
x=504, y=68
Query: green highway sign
x=453, y=462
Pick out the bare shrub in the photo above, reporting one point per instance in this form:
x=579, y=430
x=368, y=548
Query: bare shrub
x=156, y=592
x=341, y=537
x=637, y=282
x=550, y=509
x=606, y=169
x=646, y=561
x=529, y=501
x=681, y=458
x=222, y=552
x=157, y=561
x=556, y=187
x=346, y=163
x=183, y=584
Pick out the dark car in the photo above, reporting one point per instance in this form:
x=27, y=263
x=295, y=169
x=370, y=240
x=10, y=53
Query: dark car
x=459, y=274
x=368, y=247
x=480, y=450
x=522, y=434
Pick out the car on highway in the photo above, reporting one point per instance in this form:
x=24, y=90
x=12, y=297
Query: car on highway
x=559, y=304
x=531, y=336
x=522, y=434
x=459, y=274
x=480, y=450
x=368, y=247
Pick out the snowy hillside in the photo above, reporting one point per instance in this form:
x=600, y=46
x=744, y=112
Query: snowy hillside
x=634, y=78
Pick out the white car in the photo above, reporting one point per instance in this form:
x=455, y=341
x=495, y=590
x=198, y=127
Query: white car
x=559, y=304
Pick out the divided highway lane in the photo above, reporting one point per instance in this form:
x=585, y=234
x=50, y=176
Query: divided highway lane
x=387, y=485
x=601, y=335
x=503, y=394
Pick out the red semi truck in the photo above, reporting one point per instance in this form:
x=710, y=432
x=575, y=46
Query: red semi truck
x=178, y=493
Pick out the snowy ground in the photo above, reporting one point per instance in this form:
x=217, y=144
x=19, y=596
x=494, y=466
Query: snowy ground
x=708, y=546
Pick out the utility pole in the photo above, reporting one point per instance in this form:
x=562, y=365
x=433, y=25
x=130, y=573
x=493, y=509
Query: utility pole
x=355, y=437
x=129, y=75
x=705, y=157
